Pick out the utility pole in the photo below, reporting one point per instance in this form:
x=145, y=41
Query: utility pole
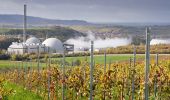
x=25, y=23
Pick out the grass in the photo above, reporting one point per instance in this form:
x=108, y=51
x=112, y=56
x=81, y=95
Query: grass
x=3, y=30
x=110, y=57
x=100, y=58
x=20, y=93
x=14, y=64
x=97, y=58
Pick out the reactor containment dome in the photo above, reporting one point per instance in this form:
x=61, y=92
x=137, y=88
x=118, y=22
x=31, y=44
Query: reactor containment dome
x=33, y=40
x=54, y=45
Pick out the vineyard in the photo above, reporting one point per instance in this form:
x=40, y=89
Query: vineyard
x=93, y=78
x=113, y=84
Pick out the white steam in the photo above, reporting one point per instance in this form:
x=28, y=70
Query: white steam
x=82, y=43
x=160, y=41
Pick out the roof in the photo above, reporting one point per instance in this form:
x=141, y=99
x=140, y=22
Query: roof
x=17, y=45
x=33, y=40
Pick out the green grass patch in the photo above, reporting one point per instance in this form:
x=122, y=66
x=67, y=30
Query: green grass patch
x=97, y=58
x=19, y=64
x=20, y=93
x=100, y=58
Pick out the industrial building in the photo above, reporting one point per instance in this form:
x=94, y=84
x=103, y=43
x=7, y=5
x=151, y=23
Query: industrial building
x=33, y=45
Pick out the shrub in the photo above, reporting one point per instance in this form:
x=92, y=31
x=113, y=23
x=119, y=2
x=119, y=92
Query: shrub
x=4, y=57
x=77, y=62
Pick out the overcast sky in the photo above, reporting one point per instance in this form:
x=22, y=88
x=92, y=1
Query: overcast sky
x=157, y=11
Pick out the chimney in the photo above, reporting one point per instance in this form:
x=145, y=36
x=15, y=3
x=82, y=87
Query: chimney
x=25, y=23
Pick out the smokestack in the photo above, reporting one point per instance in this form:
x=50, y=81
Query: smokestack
x=25, y=23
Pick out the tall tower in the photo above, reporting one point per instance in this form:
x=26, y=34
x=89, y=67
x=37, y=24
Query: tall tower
x=25, y=23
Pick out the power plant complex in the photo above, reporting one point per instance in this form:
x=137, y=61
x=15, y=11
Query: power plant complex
x=34, y=45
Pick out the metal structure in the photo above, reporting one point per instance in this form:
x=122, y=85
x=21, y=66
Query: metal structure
x=68, y=47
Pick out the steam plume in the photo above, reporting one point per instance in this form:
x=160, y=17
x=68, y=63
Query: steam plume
x=84, y=42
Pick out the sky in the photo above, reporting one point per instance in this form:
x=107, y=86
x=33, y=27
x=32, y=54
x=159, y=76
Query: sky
x=98, y=11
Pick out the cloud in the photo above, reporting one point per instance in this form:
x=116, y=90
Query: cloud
x=93, y=10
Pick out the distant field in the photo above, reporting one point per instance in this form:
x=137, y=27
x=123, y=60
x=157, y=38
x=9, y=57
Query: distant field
x=97, y=58
x=111, y=57
x=100, y=58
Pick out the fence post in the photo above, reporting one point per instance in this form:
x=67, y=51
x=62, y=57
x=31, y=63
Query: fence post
x=133, y=72
x=49, y=79
x=129, y=73
x=84, y=71
x=109, y=63
x=63, y=78
x=157, y=59
x=155, y=78
x=147, y=62
x=38, y=56
x=18, y=71
x=38, y=64
x=104, y=94
x=104, y=61
x=91, y=72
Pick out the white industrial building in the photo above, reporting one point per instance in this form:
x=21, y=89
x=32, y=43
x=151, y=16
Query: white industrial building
x=34, y=45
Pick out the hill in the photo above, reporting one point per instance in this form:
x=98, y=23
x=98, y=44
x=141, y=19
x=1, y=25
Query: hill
x=62, y=33
x=124, y=31
x=14, y=35
x=12, y=19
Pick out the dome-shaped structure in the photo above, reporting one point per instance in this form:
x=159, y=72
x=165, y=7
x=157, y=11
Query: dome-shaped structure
x=55, y=45
x=33, y=40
